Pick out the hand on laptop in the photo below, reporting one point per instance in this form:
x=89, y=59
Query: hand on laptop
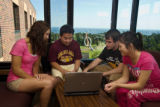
x=65, y=71
x=85, y=70
x=105, y=73
x=73, y=71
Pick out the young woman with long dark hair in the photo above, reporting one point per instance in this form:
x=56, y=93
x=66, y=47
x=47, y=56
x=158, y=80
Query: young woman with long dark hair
x=26, y=54
x=143, y=67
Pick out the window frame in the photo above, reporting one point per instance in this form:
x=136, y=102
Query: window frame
x=26, y=20
x=16, y=17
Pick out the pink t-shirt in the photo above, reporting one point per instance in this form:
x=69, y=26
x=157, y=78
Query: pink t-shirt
x=20, y=48
x=145, y=62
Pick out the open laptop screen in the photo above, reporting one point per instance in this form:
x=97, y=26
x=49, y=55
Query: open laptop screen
x=79, y=83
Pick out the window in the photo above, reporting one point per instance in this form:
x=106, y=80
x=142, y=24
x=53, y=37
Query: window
x=124, y=15
x=16, y=17
x=33, y=20
x=30, y=20
x=26, y=20
x=1, y=50
x=91, y=20
x=148, y=23
x=58, y=17
x=0, y=32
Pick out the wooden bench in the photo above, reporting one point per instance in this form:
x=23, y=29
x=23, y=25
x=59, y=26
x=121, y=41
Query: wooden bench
x=9, y=98
x=13, y=99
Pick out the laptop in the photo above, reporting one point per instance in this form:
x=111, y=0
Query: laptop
x=82, y=83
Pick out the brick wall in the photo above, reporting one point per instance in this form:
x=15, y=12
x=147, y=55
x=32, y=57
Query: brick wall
x=8, y=35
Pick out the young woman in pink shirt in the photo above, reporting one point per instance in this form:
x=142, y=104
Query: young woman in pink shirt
x=26, y=56
x=143, y=67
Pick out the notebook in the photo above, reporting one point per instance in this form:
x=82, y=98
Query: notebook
x=82, y=83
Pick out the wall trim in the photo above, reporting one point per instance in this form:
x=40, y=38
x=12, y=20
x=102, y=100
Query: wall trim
x=25, y=7
x=16, y=2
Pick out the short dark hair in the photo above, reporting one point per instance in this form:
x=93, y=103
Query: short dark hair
x=114, y=34
x=66, y=29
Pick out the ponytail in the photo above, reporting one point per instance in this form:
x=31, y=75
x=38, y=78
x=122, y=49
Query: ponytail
x=132, y=37
x=140, y=40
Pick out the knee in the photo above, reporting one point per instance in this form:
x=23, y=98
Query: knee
x=121, y=91
x=134, y=99
x=54, y=81
x=50, y=83
x=131, y=94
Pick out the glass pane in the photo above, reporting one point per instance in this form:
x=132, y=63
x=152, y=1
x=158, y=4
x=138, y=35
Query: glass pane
x=91, y=20
x=148, y=23
x=1, y=50
x=38, y=5
x=16, y=17
x=26, y=20
x=58, y=17
x=124, y=15
x=15, y=22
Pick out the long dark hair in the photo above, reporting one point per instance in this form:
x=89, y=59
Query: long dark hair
x=36, y=36
x=130, y=37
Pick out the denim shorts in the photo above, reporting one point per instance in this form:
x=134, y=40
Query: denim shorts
x=14, y=85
